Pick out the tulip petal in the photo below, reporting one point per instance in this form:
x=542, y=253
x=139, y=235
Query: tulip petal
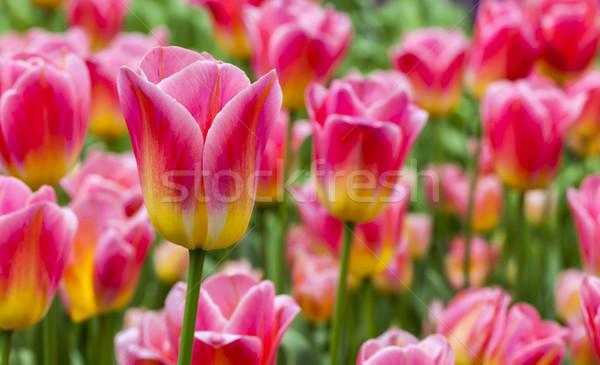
x=163, y=62
x=226, y=349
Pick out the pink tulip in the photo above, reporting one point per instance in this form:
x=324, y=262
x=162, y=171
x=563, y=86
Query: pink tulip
x=75, y=40
x=590, y=310
x=505, y=45
x=398, y=275
x=417, y=230
x=584, y=136
x=364, y=127
x=468, y=322
x=433, y=60
x=127, y=49
x=566, y=294
x=270, y=186
x=109, y=250
x=228, y=24
x=314, y=283
x=301, y=40
x=199, y=130
x=539, y=206
x=581, y=351
x=434, y=313
x=524, y=122
x=170, y=262
x=483, y=257
x=569, y=30
x=44, y=106
x=437, y=183
x=10, y=43
x=399, y=347
x=241, y=266
x=586, y=213
x=521, y=337
x=102, y=19
x=240, y=321
x=37, y=236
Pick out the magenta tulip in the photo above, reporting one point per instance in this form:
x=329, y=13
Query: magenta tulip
x=590, y=310
x=586, y=214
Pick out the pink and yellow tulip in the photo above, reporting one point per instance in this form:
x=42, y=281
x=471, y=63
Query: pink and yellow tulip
x=397, y=277
x=539, y=206
x=314, y=281
x=199, y=129
x=363, y=129
x=270, y=185
x=567, y=294
x=101, y=19
x=433, y=60
x=301, y=40
x=582, y=353
x=590, y=310
x=170, y=262
x=417, y=230
x=586, y=213
x=44, y=107
x=399, y=347
x=483, y=259
x=584, y=135
x=37, y=237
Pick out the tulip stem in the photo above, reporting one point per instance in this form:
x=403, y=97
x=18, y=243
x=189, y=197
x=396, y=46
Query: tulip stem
x=469, y=220
x=191, y=306
x=340, y=299
x=370, y=308
x=6, y=340
x=48, y=330
x=106, y=335
x=521, y=279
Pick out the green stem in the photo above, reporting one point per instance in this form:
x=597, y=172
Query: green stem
x=522, y=249
x=191, y=306
x=468, y=228
x=370, y=308
x=6, y=340
x=280, y=254
x=264, y=244
x=106, y=339
x=341, y=298
x=48, y=327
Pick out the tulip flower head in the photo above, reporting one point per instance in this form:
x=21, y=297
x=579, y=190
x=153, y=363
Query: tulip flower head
x=582, y=353
x=301, y=40
x=590, y=308
x=584, y=135
x=40, y=41
x=241, y=266
x=585, y=213
x=44, y=107
x=363, y=129
x=102, y=19
x=482, y=261
x=433, y=60
x=314, y=282
x=396, y=346
x=37, y=237
x=397, y=277
x=567, y=293
x=417, y=230
x=199, y=129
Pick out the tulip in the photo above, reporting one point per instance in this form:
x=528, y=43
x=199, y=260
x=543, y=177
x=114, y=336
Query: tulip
x=40, y=41
x=434, y=313
x=505, y=45
x=225, y=333
x=566, y=294
x=364, y=128
x=10, y=42
x=37, y=240
x=579, y=345
x=228, y=24
x=539, y=205
x=102, y=19
x=314, y=280
x=109, y=249
x=398, y=275
x=481, y=263
x=106, y=117
x=50, y=4
x=521, y=337
x=417, y=230
x=396, y=346
x=468, y=322
x=437, y=182
x=590, y=309
x=301, y=40
x=170, y=262
x=44, y=105
x=524, y=122
x=584, y=136
x=569, y=30
x=433, y=60
x=585, y=213
x=242, y=266
x=270, y=185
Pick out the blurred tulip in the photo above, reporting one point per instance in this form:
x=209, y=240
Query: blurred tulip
x=505, y=45
x=566, y=294
x=301, y=40
x=569, y=30
x=590, y=310
x=524, y=122
x=364, y=128
x=170, y=262
x=399, y=347
x=37, y=237
x=241, y=266
x=521, y=337
x=434, y=313
x=127, y=49
x=271, y=180
x=584, y=136
x=468, y=322
x=44, y=107
x=437, y=182
x=539, y=206
x=198, y=164
x=586, y=214
x=102, y=19
x=109, y=250
x=398, y=275
x=40, y=41
x=433, y=60
x=314, y=283
x=225, y=332
x=417, y=230
x=482, y=261
x=228, y=24
x=579, y=345
x=10, y=43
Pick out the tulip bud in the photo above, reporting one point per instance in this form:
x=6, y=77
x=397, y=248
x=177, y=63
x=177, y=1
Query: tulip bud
x=314, y=283
x=102, y=19
x=433, y=60
x=584, y=135
x=170, y=262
